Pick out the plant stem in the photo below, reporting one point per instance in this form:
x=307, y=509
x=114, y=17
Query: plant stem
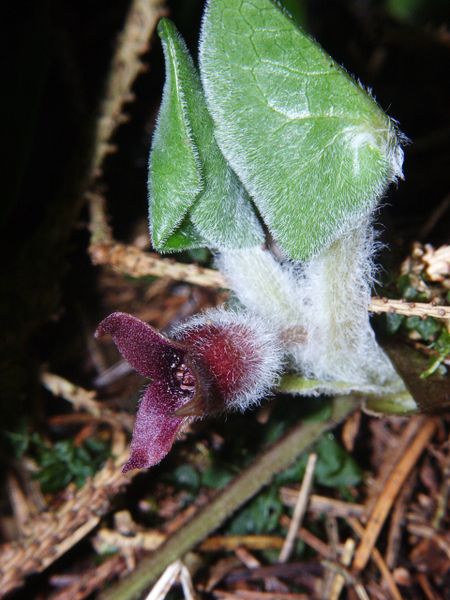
x=275, y=459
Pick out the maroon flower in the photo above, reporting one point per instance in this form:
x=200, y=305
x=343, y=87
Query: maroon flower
x=217, y=361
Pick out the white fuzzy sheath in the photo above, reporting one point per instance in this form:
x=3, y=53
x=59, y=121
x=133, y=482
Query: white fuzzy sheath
x=320, y=310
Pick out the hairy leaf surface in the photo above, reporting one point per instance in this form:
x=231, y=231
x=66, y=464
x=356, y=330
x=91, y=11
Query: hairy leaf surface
x=312, y=148
x=195, y=198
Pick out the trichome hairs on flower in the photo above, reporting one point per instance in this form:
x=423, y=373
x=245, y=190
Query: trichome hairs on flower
x=243, y=353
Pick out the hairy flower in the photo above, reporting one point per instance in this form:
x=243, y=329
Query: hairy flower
x=215, y=361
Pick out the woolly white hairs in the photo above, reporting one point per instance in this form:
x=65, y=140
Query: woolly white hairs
x=340, y=345
x=264, y=286
x=320, y=313
x=264, y=361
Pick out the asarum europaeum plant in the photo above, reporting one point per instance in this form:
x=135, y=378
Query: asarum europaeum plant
x=275, y=158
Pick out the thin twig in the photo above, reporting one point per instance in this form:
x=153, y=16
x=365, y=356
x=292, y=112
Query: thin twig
x=429, y=533
x=309, y=538
x=396, y=522
x=130, y=260
x=348, y=577
x=125, y=67
x=245, y=486
x=186, y=583
x=83, y=399
x=52, y=533
x=322, y=504
x=299, y=509
x=392, y=487
x=378, y=560
x=232, y=542
x=332, y=531
x=409, y=309
x=165, y=582
x=338, y=582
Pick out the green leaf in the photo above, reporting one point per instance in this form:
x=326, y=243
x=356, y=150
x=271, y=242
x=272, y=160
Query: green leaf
x=261, y=515
x=174, y=171
x=311, y=147
x=195, y=198
x=187, y=476
x=393, y=322
x=442, y=346
x=427, y=328
x=406, y=288
x=184, y=238
x=64, y=462
x=216, y=476
x=335, y=467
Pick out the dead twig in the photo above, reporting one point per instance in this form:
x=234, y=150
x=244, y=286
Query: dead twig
x=299, y=509
x=392, y=487
x=126, y=65
x=378, y=560
x=220, y=543
x=309, y=538
x=165, y=582
x=52, y=533
x=397, y=521
x=337, y=584
x=348, y=577
x=82, y=399
x=130, y=260
x=322, y=504
x=409, y=309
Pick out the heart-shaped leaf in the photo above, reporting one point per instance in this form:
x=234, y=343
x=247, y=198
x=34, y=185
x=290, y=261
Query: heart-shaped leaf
x=311, y=147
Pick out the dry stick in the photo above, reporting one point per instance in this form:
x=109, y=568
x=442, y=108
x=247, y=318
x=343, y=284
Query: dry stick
x=392, y=487
x=186, y=583
x=330, y=578
x=232, y=542
x=322, y=504
x=378, y=560
x=244, y=487
x=397, y=521
x=133, y=41
x=409, y=309
x=130, y=260
x=126, y=65
x=299, y=510
x=80, y=398
x=165, y=582
x=309, y=538
x=83, y=399
x=429, y=533
x=338, y=582
x=53, y=533
x=348, y=577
